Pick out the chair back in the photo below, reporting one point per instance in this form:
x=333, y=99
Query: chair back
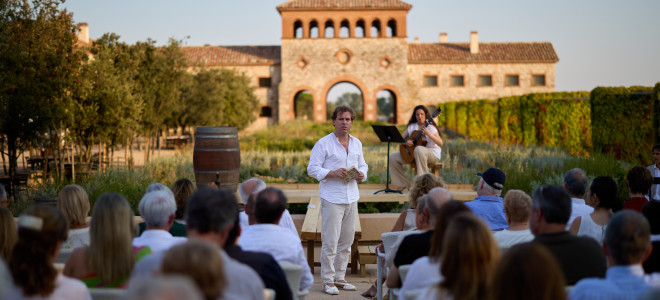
x=293, y=274
x=108, y=294
x=403, y=271
x=63, y=256
x=412, y=294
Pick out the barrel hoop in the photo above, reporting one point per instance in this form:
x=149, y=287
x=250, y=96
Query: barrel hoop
x=224, y=136
x=217, y=171
x=218, y=150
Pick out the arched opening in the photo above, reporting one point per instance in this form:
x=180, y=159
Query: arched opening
x=345, y=93
x=344, y=29
x=329, y=29
x=298, y=29
x=359, y=28
x=314, y=29
x=386, y=106
x=375, y=28
x=303, y=107
x=391, y=28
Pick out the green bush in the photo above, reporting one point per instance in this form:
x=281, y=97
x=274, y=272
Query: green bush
x=482, y=120
x=510, y=120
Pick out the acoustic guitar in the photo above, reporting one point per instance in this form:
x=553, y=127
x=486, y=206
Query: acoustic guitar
x=408, y=151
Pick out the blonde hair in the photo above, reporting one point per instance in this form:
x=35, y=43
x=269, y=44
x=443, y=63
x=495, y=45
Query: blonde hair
x=517, y=204
x=422, y=185
x=73, y=202
x=110, y=253
x=201, y=262
x=8, y=234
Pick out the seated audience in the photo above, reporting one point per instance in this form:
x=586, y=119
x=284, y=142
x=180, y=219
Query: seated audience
x=178, y=228
x=469, y=255
x=252, y=187
x=517, y=275
x=163, y=287
x=108, y=260
x=158, y=211
x=182, y=189
x=41, y=231
x=73, y=202
x=517, y=205
x=579, y=257
x=210, y=215
x=9, y=234
x=199, y=261
x=575, y=183
x=488, y=203
x=602, y=197
x=425, y=271
x=422, y=185
x=639, y=181
x=652, y=213
x=6, y=283
x=266, y=236
x=627, y=243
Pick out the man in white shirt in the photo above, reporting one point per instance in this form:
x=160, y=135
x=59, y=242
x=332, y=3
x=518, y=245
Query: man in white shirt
x=655, y=172
x=158, y=211
x=331, y=159
x=575, y=183
x=253, y=186
x=266, y=236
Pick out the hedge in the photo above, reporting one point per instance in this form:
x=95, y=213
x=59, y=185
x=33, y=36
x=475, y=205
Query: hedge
x=481, y=121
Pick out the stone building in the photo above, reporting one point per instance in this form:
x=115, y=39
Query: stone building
x=365, y=43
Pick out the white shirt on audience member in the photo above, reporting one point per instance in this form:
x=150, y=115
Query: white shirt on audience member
x=76, y=238
x=281, y=244
x=157, y=240
x=422, y=274
x=578, y=208
x=66, y=288
x=286, y=222
x=507, y=238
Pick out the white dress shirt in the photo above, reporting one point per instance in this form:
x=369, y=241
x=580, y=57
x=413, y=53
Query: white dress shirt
x=286, y=222
x=157, y=240
x=578, y=208
x=281, y=244
x=655, y=189
x=507, y=238
x=423, y=273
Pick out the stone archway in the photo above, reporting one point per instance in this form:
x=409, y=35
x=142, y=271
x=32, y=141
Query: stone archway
x=345, y=93
x=303, y=105
x=386, y=103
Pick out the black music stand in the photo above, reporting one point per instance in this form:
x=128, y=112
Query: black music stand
x=388, y=134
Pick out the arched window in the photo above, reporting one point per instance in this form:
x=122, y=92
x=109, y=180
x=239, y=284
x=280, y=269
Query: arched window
x=375, y=28
x=386, y=106
x=297, y=29
x=314, y=29
x=303, y=107
x=360, y=29
x=345, y=93
x=391, y=28
x=329, y=29
x=344, y=29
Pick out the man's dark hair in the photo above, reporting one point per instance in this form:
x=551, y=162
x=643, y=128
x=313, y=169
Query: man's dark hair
x=605, y=188
x=640, y=180
x=233, y=233
x=554, y=202
x=652, y=213
x=576, y=182
x=656, y=147
x=211, y=210
x=269, y=206
x=627, y=237
x=342, y=109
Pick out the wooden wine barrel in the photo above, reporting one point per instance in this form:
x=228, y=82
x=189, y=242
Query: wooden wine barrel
x=217, y=153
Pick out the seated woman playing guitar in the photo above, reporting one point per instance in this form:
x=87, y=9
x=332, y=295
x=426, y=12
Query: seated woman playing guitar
x=421, y=149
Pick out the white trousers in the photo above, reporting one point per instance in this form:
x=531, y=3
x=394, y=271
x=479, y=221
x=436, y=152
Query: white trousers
x=337, y=233
x=423, y=157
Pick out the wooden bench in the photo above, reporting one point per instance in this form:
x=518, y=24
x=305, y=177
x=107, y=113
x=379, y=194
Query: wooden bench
x=434, y=167
x=366, y=255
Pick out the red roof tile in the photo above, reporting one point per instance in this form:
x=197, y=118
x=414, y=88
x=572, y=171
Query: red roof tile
x=232, y=55
x=488, y=52
x=343, y=4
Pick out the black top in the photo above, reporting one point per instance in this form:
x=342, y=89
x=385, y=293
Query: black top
x=652, y=264
x=413, y=247
x=268, y=269
x=578, y=256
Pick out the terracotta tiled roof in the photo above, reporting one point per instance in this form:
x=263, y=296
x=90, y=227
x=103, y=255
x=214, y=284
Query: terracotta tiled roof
x=343, y=4
x=488, y=52
x=232, y=55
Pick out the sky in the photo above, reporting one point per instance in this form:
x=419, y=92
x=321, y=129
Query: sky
x=599, y=42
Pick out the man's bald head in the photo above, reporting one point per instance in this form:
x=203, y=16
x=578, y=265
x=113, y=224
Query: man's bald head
x=436, y=198
x=252, y=185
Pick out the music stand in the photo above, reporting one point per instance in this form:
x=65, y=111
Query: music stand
x=388, y=134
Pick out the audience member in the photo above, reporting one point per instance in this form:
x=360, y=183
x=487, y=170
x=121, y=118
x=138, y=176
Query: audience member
x=602, y=197
x=517, y=275
x=158, y=211
x=575, y=183
x=263, y=263
x=163, y=287
x=41, y=231
x=8, y=233
x=652, y=213
x=579, y=257
x=210, y=215
x=425, y=271
x=199, y=261
x=517, y=205
x=488, y=203
x=6, y=282
x=108, y=260
x=627, y=243
x=182, y=189
x=73, y=202
x=654, y=194
x=266, y=236
x=4, y=201
x=178, y=228
x=422, y=185
x=252, y=187
x=639, y=181
x=469, y=255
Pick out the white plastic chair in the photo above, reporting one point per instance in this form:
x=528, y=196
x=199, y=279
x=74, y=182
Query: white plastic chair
x=389, y=241
x=108, y=294
x=403, y=271
x=293, y=274
x=412, y=294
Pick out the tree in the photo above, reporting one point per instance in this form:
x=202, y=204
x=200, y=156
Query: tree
x=37, y=65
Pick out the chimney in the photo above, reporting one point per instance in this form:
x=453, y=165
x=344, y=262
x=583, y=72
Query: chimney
x=443, y=37
x=416, y=40
x=474, y=42
x=83, y=33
